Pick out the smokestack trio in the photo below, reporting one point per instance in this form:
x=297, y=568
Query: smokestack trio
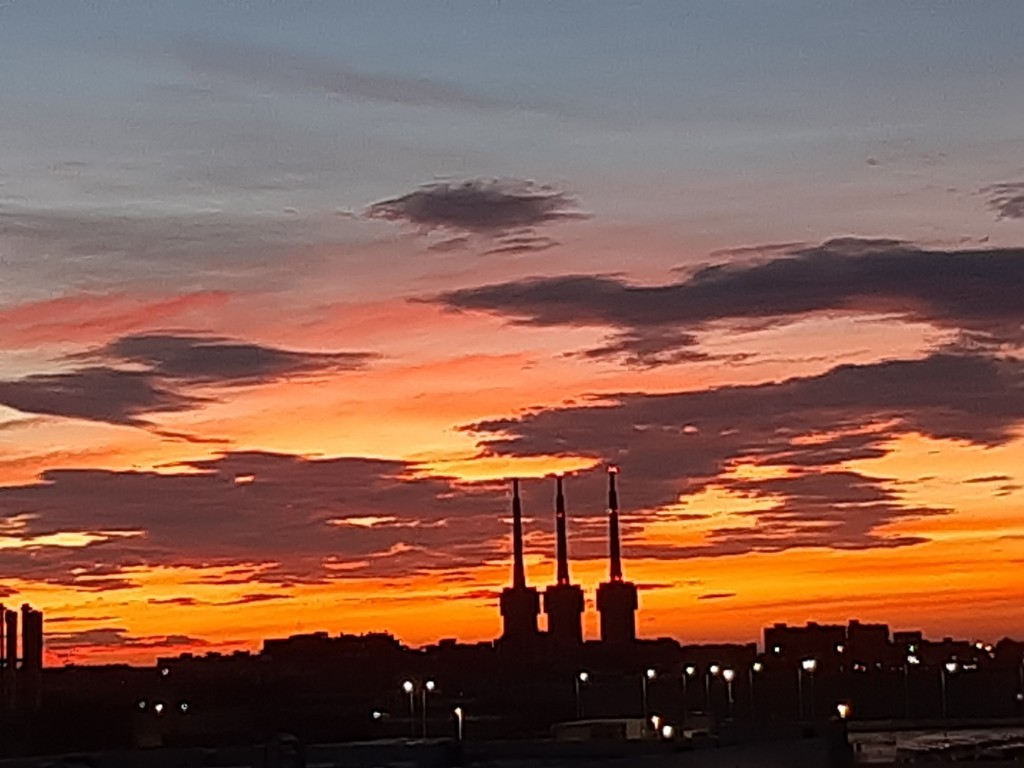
x=563, y=601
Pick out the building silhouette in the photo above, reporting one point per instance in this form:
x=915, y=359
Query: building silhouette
x=563, y=600
x=616, y=598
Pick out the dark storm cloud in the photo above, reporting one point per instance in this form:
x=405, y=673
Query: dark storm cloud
x=506, y=210
x=976, y=291
x=158, y=370
x=192, y=602
x=1007, y=200
x=649, y=348
x=96, y=393
x=802, y=428
x=216, y=360
x=487, y=206
x=266, y=518
x=256, y=597
x=182, y=602
x=116, y=637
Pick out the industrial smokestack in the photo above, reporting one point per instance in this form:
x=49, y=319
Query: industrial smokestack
x=614, y=553
x=518, y=570
x=562, y=545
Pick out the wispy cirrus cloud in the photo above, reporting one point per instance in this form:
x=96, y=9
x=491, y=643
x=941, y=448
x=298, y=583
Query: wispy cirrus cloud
x=1006, y=199
x=288, y=70
x=975, y=291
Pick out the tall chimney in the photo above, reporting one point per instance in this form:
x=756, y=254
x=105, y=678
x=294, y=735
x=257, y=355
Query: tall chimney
x=614, y=553
x=518, y=570
x=562, y=545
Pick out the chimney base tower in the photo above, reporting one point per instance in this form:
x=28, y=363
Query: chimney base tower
x=616, y=599
x=520, y=604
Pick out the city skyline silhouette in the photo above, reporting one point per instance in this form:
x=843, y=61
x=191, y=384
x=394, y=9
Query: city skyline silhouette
x=287, y=299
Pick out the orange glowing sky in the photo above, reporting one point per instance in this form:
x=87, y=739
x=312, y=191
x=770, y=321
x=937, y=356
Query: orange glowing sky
x=277, y=324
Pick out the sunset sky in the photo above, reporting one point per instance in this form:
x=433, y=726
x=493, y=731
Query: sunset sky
x=288, y=291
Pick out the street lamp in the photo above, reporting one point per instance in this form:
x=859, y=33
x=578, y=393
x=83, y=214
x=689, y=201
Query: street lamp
x=713, y=671
x=581, y=679
x=649, y=674
x=458, y=722
x=410, y=689
x=808, y=666
x=755, y=669
x=949, y=668
x=688, y=671
x=428, y=687
x=729, y=675
x=911, y=661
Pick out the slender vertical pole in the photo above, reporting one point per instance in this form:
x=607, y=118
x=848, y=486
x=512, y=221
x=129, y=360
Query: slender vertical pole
x=518, y=570
x=423, y=712
x=942, y=678
x=615, y=555
x=643, y=689
x=412, y=712
x=561, y=542
x=753, y=709
x=906, y=690
x=810, y=677
x=682, y=717
x=800, y=691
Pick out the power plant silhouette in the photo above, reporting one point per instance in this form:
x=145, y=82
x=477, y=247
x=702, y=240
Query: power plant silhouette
x=563, y=601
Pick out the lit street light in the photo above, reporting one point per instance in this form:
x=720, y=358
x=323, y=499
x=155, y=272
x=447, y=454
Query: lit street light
x=912, y=661
x=582, y=678
x=755, y=669
x=808, y=666
x=428, y=687
x=713, y=671
x=458, y=722
x=410, y=689
x=688, y=671
x=949, y=668
x=648, y=675
x=729, y=675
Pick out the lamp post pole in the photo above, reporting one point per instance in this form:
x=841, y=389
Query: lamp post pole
x=911, y=661
x=428, y=687
x=581, y=679
x=458, y=722
x=729, y=675
x=648, y=675
x=410, y=690
x=713, y=671
x=808, y=666
x=949, y=668
x=755, y=668
x=688, y=672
